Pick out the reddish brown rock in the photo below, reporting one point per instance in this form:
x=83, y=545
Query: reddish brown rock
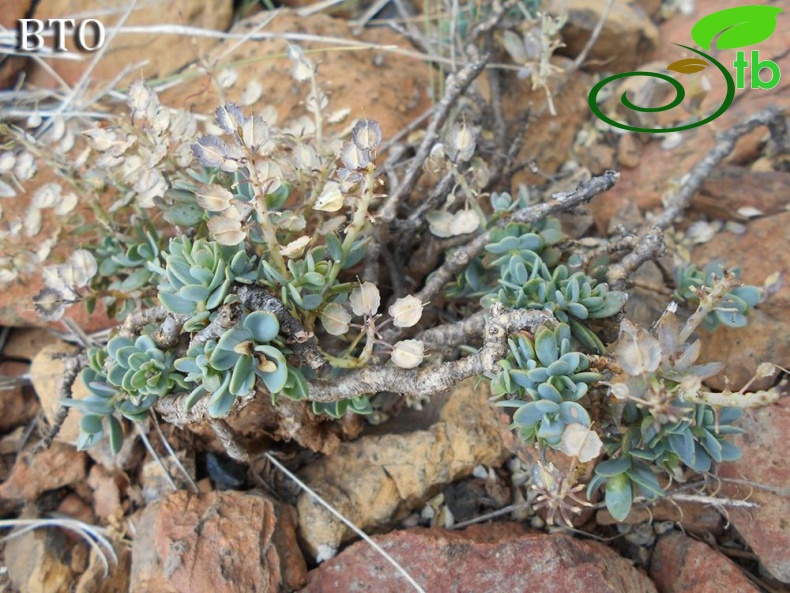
x=10, y=65
x=627, y=37
x=58, y=466
x=693, y=517
x=106, y=485
x=729, y=189
x=216, y=542
x=683, y=565
x=378, y=84
x=45, y=560
x=480, y=559
x=94, y=579
x=550, y=138
x=73, y=506
x=27, y=342
x=766, y=528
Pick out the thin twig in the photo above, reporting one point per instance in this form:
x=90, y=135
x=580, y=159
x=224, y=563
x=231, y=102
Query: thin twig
x=450, y=335
x=90, y=533
x=521, y=131
x=649, y=247
x=72, y=365
x=456, y=85
x=274, y=461
x=155, y=455
x=85, y=77
x=171, y=452
x=492, y=515
x=303, y=342
x=678, y=202
x=230, y=441
x=229, y=316
x=713, y=500
x=434, y=379
x=577, y=63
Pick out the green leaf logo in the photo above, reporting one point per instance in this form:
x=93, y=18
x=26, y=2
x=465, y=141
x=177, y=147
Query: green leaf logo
x=736, y=27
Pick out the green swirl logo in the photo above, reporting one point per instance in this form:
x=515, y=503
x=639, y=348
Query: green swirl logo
x=734, y=27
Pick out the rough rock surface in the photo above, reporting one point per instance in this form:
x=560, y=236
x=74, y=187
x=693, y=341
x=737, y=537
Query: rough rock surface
x=683, y=565
x=27, y=342
x=217, y=542
x=93, y=580
x=766, y=529
x=58, y=466
x=45, y=561
x=550, y=138
x=376, y=480
x=480, y=559
x=628, y=34
x=154, y=54
x=382, y=85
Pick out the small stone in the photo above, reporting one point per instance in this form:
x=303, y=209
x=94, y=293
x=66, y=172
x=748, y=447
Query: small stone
x=597, y=158
x=58, y=466
x=219, y=542
x=155, y=483
x=73, y=506
x=94, y=580
x=106, y=486
x=377, y=481
x=45, y=560
x=627, y=37
x=629, y=151
x=480, y=559
x=694, y=517
x=683, y=565
x=27, y=342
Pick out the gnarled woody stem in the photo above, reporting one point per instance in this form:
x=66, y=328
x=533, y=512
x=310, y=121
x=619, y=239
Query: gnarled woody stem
x=435, y=379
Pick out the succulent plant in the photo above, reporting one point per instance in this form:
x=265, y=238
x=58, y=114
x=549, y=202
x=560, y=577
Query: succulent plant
x=526, y=282
x=357, y=405
x=732, y=309
x=128, y=377
x=522, y=271
x=123, y=269
x=648, y=448
x=480, y=277
x=97, y=408
x=552, y=376
x=142, y=371
x=198, y=275
x=229, y=367
x=309, y=277
x=664, y=430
